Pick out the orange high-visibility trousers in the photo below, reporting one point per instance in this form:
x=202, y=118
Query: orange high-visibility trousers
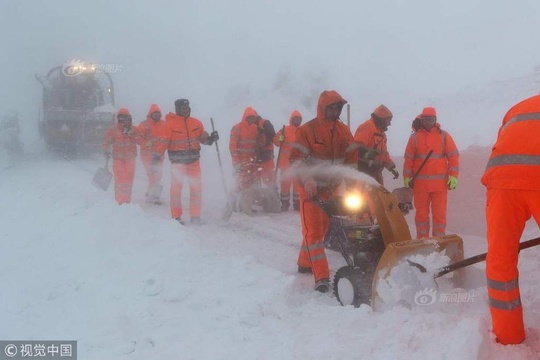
x=154, y=171
x=193, y=173
x=423, y=201
x=507, y=211
x=266, y=172
x=315, y=224
x=124, y=173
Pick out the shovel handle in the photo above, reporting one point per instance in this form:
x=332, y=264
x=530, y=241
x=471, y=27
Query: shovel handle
x=479, y=258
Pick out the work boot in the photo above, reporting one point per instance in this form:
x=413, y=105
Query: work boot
x=180, y=221
x=196, y=220
x=285, y=204
x=322, y=285
x=304, y=270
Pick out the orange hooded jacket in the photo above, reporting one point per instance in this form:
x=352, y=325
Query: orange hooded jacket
x=443, y=162
x=287, y=144
x=515, y=158
x=243, y=139
x=155, y=135
x=322, y=141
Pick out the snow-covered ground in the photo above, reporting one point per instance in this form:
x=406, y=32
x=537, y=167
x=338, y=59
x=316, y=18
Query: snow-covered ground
x=127, y=282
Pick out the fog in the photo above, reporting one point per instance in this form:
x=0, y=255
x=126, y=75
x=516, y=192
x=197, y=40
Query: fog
x=274, y=55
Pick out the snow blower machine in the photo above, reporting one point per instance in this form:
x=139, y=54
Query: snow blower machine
x=77, y=107
x=371, y=233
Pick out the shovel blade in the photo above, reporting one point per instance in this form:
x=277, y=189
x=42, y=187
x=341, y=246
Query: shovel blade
x=397, y=253
x=102, y=178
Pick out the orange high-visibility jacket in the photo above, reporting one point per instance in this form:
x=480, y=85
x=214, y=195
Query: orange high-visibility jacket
x=517, y=150
x=322, y=141
x=243, y=139
x=288, y=141
x=124, y=145
x=154, y=135
x=444, y=160
x=369, y=136
x=187, y=134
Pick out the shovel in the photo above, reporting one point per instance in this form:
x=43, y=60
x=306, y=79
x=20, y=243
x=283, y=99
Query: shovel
x=469, y=261
x=103, y=177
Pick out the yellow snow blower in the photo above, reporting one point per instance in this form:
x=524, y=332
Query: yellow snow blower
x=375, y=241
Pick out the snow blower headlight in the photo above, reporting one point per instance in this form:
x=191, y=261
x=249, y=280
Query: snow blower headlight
x=353, y=202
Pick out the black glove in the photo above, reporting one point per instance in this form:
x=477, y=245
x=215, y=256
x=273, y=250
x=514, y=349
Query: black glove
x=107, y=154
x=214, y=136
x=394, y=172
x=371, y=154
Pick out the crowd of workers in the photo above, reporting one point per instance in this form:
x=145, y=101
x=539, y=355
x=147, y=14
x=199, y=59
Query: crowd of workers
x=431, y=168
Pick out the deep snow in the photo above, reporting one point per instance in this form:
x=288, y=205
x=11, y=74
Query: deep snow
x=128, y=282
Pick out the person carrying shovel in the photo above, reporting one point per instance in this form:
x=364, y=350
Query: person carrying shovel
x=187, y=135
x=438, y=174
x=122, y=138
x=512, y=180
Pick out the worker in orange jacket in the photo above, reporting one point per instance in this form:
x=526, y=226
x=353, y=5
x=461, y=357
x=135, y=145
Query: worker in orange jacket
x=370, y=138
x=123, y=138
x=439, y=174
x=243, y=143
x=265, y=151
x=284, y=139
x=323, y=140
x=186, y=136
x=512, y=180
x=155, y=135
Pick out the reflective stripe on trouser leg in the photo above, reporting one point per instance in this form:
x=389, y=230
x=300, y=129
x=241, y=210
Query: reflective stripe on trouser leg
x=124, y=172
x=438, y=210
x=421, y=203
x=314, y=226
x=507, y=211
x=195, y=188
x=178, y=172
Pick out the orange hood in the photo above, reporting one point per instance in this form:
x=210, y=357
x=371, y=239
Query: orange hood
x=249, y=111
x=328, y=97
x=153, y=109
x=294, y=114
